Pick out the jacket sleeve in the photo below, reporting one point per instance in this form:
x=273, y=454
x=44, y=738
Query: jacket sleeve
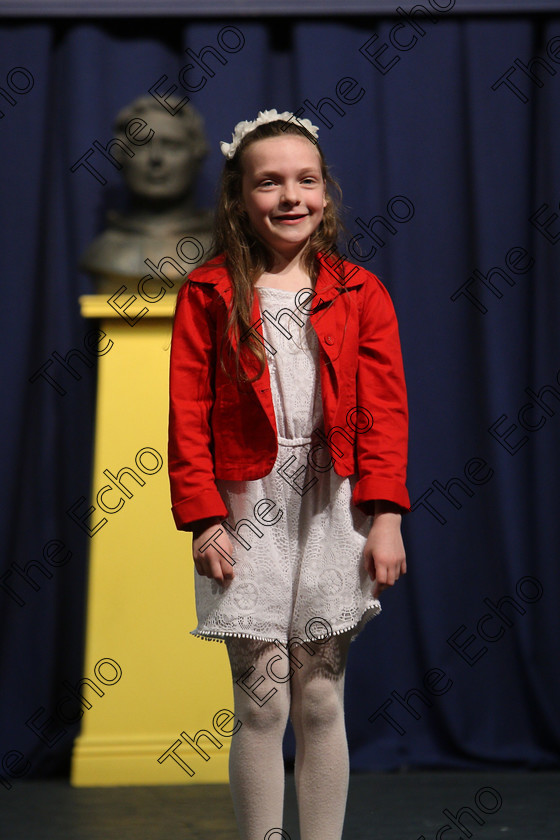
x=194, y=494
x=382, y=449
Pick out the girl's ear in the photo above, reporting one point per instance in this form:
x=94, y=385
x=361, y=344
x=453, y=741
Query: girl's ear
x=325, y=202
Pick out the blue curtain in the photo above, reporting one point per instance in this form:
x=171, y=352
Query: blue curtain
x=444, y=134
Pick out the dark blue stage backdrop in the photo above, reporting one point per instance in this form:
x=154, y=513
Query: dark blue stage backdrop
x=444, y=132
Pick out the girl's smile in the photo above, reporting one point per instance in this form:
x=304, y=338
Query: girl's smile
x=291, y=219
x=283, y=192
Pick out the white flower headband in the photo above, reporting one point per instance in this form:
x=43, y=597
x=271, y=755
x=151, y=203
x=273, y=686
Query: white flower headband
x=245, y=127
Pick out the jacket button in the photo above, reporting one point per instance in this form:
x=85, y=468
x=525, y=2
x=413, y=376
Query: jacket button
x=329, y=339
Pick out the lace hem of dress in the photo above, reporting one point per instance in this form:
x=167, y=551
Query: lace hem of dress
x=358, y=626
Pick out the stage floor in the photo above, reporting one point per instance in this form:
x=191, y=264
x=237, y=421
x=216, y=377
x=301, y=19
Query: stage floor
x=399, y=806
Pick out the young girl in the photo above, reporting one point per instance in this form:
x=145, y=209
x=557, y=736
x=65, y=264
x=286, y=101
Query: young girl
x=287, y=461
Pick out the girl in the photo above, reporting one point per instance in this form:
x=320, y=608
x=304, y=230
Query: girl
x=287, y=461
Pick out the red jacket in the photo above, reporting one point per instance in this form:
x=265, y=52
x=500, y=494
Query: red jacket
x=218, y=429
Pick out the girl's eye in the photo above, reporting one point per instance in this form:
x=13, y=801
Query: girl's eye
x=266, y=183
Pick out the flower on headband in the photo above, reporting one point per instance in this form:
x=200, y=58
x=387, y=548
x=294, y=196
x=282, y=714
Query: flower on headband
x=245, y=127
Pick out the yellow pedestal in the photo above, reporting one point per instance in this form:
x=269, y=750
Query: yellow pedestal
x=141, y=590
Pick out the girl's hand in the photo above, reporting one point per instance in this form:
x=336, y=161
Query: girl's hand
x=384, y=554
x=210, y=563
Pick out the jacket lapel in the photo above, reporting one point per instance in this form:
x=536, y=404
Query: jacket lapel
x=328, y=311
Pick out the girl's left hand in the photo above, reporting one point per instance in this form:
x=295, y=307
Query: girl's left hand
x=384, y=554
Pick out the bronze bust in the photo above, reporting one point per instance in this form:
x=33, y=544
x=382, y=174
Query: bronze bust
x=160, y=176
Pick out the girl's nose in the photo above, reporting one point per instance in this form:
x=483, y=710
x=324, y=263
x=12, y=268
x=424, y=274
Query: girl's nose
x=289, y=194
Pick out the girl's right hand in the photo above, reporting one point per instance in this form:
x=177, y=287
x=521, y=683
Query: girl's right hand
x=210, y=563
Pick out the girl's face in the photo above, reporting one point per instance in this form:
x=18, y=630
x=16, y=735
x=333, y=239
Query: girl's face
x=283, y=192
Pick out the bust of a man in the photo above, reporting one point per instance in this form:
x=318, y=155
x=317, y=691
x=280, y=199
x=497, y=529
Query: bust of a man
x=160, y=176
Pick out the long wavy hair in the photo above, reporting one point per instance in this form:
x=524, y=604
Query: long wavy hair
x=247, y=255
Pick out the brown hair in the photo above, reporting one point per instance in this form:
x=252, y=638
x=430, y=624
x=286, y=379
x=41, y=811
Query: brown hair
x=246, y=255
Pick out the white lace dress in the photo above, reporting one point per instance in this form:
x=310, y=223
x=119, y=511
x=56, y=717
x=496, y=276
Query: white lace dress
x=298, y=570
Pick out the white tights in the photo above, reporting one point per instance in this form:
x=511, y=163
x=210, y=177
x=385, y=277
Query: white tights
x=313, y=697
